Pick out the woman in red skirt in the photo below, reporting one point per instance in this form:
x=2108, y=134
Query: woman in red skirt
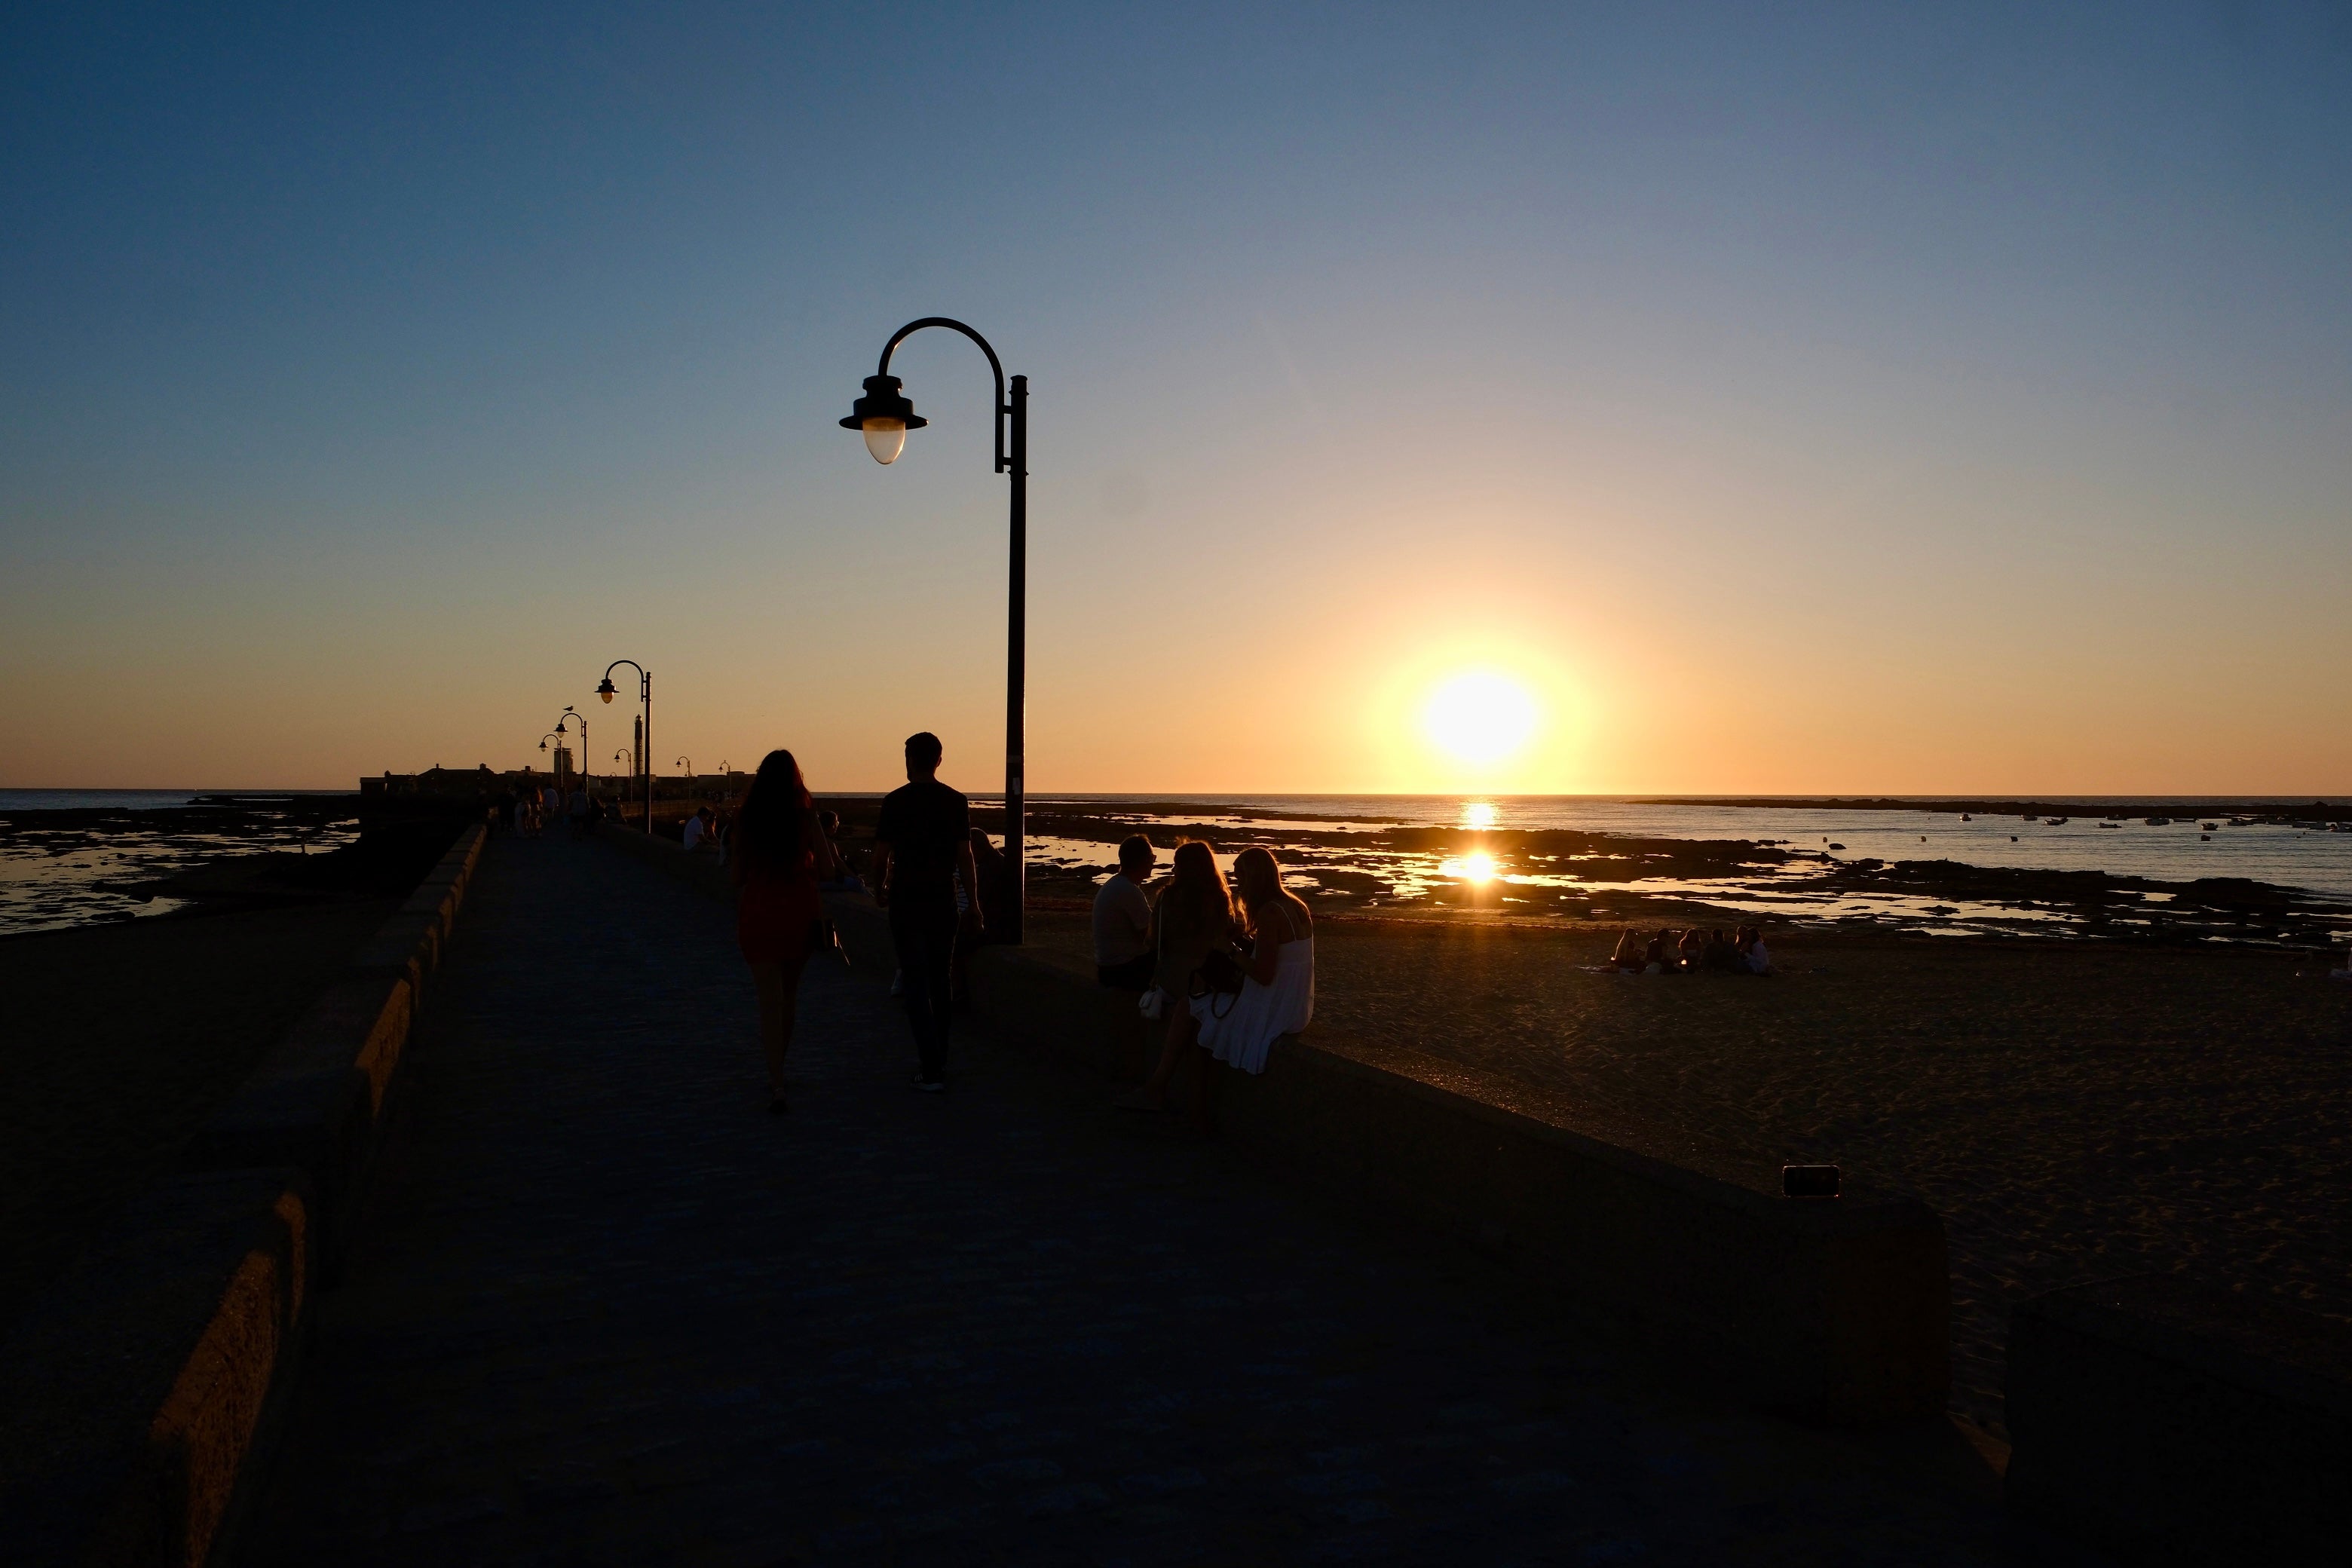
x=778, y=854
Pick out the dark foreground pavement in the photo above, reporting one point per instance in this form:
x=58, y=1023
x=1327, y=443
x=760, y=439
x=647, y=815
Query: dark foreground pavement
x=604, y=1308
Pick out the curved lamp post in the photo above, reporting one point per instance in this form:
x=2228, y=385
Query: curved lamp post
x=556, y=736
x=623, y=751
x=885, y=416
x=605, y=689
x=688, y=763
x=572, y=716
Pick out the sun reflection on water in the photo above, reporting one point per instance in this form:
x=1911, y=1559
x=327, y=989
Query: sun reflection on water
x=1478, y=815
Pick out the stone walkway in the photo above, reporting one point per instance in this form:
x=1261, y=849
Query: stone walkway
x=604, y=1308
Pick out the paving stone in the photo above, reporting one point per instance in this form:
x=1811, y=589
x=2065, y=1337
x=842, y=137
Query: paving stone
x=602, y=1308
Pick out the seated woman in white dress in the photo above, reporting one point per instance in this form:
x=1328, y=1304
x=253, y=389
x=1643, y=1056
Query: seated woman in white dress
x=1277, y=995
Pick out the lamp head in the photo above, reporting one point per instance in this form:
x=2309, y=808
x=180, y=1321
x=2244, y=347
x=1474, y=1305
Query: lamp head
x=605, y=687
x=886, y=416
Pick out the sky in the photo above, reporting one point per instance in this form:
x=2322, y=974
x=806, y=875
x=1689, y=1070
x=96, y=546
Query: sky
x=1763, y=399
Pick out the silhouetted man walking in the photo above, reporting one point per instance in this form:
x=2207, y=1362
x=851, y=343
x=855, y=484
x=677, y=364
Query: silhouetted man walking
x=923, y=840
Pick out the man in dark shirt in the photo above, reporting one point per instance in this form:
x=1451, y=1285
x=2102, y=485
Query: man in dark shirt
x=923, y=840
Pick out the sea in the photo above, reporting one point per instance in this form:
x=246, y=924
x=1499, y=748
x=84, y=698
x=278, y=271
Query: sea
x=48, y=880
x=2309, y=858
x=55, y=876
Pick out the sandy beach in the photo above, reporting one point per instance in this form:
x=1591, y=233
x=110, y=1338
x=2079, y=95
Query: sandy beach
x=2073, y=1111
x=121, y=1040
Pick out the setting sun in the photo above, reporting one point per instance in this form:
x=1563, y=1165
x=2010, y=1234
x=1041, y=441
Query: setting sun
x=1480, y=716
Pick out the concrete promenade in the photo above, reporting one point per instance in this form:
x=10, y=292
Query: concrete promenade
x=603, y=1308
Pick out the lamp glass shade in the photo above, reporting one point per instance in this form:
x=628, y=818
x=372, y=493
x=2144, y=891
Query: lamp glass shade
x=606, y=691
x=885, y=438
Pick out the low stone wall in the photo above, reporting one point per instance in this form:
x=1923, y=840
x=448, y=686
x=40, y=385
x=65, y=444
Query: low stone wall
x=138, y=1397
x=2169, y=1422
x=1834, y=1311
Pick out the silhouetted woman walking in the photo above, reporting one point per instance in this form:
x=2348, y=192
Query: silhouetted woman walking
x=778, y=853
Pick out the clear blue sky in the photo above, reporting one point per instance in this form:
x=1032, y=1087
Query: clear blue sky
x=1798, y=397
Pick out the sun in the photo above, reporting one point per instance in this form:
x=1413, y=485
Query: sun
x=1480, y=716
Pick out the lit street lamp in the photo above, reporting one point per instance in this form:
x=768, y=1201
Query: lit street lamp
x=605, y=689
x=885, y=416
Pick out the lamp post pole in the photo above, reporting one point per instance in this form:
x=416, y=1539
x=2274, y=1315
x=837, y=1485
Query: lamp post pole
x=605, y=689
x=885, y=416
x=557, y=736
x=569, y=716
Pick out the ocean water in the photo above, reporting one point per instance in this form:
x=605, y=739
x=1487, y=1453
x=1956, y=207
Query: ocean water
x=54, y=876
x=2313, y=859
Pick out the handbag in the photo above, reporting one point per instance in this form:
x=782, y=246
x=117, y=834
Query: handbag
x=1220, y=974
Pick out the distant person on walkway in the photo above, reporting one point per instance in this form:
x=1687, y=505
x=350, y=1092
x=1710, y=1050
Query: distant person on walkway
x=1193, y=917
x=779, y=856
x=1123, y=955
x=847, y=882
x=1278, y=993
x=696, y=832
x=922, y=842
x=577, y=810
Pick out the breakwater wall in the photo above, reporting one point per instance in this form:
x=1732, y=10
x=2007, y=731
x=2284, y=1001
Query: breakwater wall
x=1833, y=1310
x=141, y=1394
x=2169, y=1422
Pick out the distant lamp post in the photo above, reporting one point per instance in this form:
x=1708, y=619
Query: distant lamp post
x=572, y=716
x=623, y=755
x=605, y=689
x=688, y=763
x=885, y=416
x=557, y=736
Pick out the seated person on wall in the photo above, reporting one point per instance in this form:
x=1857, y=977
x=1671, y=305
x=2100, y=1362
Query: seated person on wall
x=1631, y=952
x=995, y=868
x=697, y=833
x=1693, y=949
x=1659, y=957
x=1123, y=946
x=1719, y=957
x=1752, y=953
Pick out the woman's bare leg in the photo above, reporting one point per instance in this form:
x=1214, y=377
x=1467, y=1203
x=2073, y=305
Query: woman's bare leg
x=778, y=986
x=1181, y=1027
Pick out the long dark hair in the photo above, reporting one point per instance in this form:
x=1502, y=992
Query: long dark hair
x=769, y=830
x=1257, y=880
x=1195, y=898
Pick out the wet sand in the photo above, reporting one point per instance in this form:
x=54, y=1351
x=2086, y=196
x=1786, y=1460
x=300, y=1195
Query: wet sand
x=2075, y=1111
x=120, y=1040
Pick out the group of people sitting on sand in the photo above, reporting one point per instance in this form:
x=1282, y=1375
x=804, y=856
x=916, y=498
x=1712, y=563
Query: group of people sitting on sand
x=1692, y=952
